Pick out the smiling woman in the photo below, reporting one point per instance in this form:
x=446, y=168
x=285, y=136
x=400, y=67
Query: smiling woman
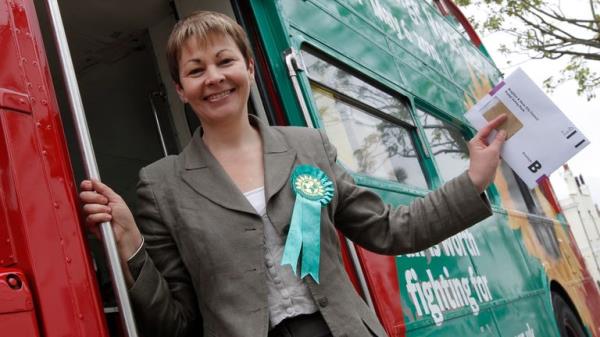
x=225, y=218
x=196, y=263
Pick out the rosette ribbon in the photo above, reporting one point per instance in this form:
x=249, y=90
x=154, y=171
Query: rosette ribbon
x=313, y=190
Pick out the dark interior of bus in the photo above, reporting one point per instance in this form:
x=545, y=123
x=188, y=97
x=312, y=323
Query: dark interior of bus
x=131, y=106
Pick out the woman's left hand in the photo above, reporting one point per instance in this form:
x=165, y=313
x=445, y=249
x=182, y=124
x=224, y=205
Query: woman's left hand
x=484, y=157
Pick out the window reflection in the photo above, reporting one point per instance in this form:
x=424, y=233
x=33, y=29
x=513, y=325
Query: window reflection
x=447, y=145
x=368, y=144
x=351, y=86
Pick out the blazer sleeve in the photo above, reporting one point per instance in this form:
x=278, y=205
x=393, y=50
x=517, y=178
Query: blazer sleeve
x=364, y=218
x=162, y=295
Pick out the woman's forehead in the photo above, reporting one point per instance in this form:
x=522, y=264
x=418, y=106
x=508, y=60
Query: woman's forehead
x=209, y=43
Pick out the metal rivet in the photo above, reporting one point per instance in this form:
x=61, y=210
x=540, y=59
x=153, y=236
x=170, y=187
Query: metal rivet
x=14, y=281
x=55, y=205
x=68, y=260
x=44, y=102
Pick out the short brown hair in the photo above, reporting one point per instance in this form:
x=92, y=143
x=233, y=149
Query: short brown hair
x=199, y=25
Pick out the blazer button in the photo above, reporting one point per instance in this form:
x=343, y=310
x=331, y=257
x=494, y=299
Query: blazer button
x=323, y=302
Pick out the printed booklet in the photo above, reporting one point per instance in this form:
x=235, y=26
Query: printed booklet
x=540, y=138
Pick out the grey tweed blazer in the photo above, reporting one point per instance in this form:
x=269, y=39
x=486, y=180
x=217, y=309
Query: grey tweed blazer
x=202, y=272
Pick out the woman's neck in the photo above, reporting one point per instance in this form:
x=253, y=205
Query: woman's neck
x=232, y=135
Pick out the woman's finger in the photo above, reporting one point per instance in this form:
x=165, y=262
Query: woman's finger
x=493, y=124
x=96, y=208
x=97, y=218
x=103, y=189
x=90, y=197
x=85, y=185
x=498, y=141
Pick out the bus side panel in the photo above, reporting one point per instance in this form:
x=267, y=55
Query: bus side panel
x=411, y=50
x=38, y=187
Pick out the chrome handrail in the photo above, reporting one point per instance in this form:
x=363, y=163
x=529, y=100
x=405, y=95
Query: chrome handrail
x=291, y=62
x=157, y=121
x=90, y=165
x=359, y=272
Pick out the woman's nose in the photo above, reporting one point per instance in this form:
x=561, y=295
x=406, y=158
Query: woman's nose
x=213, y=75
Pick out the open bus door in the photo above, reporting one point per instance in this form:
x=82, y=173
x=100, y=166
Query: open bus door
x=47, y=283
x=54, y=278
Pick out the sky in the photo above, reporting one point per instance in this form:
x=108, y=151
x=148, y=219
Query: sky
x=584, y=114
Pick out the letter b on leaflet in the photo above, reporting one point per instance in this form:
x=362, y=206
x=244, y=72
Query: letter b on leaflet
x=535, y=166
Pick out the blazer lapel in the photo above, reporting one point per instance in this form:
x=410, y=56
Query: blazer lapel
x=279, y=159
x=206, y=176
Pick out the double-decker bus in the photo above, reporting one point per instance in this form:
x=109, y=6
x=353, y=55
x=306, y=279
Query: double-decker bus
x=388, y=81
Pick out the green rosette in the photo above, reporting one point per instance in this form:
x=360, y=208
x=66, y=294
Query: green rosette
x=313, y=190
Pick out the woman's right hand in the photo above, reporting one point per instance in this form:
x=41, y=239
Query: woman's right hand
x=102, y=204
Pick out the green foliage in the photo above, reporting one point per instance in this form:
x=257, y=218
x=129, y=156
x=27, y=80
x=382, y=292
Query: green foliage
x=544, y=29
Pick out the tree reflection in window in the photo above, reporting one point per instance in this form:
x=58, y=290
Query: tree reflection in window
x=368, y=144
x=447, y=145
x=331, y=76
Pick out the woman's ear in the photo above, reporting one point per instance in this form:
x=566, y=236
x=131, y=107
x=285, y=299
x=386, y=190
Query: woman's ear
x=251, y=69
x=180, y=92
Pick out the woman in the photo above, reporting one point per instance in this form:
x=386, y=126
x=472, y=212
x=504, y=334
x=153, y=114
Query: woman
x=216, y=218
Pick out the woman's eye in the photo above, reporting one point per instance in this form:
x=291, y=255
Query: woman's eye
x=226, y=61
x=195, y=71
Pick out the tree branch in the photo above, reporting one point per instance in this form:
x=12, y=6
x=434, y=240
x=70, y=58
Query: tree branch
x=556, y=16
x=594, y=15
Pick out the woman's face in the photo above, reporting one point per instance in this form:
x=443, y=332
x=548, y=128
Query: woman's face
x=215, y=79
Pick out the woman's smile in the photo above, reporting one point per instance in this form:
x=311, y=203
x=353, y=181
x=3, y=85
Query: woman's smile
x=219, y=96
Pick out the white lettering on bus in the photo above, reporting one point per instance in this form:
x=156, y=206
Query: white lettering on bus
x=435, y=296
x=399, y=26
x=461, y=244
x=527, y=333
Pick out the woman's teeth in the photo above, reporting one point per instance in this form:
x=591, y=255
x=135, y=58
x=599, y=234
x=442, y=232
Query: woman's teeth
x=219, y=96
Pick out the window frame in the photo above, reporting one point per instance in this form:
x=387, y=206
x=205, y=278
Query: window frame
x=467, y=131
x=413, y=130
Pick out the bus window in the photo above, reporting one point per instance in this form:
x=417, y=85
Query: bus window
x=372, y=130
x=330, y=76
x=447, y=145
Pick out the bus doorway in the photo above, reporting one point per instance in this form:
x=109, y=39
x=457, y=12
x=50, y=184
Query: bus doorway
x=132, y=109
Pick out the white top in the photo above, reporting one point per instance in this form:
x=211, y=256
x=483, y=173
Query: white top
x=288, y=295
x=256, y=197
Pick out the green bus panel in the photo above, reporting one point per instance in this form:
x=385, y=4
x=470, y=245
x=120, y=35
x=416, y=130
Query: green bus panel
x=367, y=48
x=527, y=317
x=481, y=325
x=501, y=260
x=493, y=279
x=392, y=41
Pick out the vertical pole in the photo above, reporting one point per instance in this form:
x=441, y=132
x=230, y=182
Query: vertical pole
x=90, y=165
